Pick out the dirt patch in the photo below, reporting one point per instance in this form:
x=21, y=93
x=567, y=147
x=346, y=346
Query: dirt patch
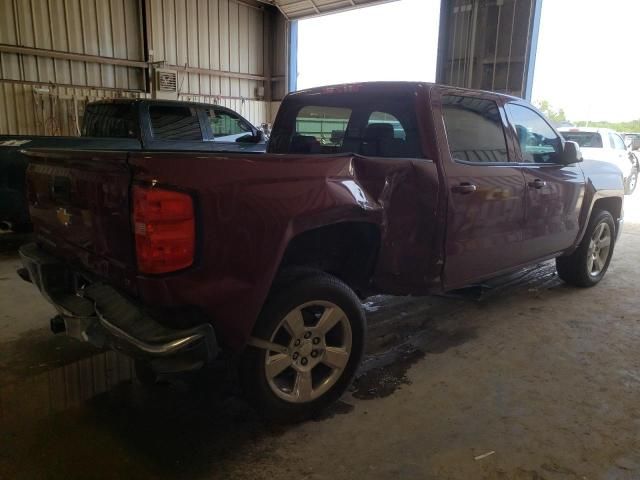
x=439, y=341
x=382, y=381
x=337, y=408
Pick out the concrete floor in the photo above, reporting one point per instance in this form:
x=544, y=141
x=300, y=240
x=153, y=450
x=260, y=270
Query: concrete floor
x=529, y=379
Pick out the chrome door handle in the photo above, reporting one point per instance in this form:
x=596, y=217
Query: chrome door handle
x=537, y=183
x=464, y=188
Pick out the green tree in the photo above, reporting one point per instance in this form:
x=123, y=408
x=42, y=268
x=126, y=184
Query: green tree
x=556, y=116
x=629, y=127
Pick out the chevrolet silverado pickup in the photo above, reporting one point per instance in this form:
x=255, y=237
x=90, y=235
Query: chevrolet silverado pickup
x=180, y=258
x=126, y=124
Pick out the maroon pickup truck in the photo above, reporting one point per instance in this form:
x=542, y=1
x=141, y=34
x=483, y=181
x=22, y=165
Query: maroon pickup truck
x=179, y=258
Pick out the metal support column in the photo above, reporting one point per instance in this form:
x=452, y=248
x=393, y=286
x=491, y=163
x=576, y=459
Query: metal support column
x=293, y=56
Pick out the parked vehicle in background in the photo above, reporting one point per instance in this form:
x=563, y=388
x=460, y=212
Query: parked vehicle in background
x=175, y=257
x=632, y=141
x=126, y=124
x=606, y=145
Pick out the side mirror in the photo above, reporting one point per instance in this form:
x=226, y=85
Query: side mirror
x=255, y=137
x=572, y=153
x=635, y=144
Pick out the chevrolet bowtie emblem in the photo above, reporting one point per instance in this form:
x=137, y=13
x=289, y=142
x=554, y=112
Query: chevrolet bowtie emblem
x=64, y=217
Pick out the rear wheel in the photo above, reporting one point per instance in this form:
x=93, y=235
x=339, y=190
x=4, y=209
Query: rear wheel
x=589, y=263
x=306, y=348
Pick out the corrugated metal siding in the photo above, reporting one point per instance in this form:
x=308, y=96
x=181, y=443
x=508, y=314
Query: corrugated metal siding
x=213, y=36
x=29, y=111
x=75, y=26
x=486, y=44
x=220, y=35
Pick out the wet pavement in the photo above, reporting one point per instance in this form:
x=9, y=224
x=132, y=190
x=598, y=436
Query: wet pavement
x=545, y=376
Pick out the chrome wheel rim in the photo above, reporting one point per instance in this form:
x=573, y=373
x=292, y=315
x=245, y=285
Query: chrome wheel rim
x=632, y=182
x=599, y=248
x=308, y=351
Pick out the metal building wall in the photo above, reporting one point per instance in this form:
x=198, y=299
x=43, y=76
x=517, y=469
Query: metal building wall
x=55, y=55
x=488, y=44
x=217, y=46
x=33, y=32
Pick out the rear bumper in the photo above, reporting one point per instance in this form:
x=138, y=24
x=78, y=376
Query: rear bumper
x=97, y=313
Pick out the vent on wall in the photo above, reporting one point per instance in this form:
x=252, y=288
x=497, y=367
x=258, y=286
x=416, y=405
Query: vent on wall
x=166, y=84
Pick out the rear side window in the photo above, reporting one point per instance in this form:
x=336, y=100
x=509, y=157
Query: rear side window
x=538, y=142
x=474, y=129
x=362, y=124
x=110, y=120
x=174, y=123
x=584, y=139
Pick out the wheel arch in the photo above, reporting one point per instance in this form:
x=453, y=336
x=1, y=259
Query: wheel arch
x=348, y=250
x=613, y=205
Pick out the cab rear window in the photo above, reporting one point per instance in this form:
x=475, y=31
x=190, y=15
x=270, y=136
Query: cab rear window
x=584, y=139
x=110, y=120
x=353, y=123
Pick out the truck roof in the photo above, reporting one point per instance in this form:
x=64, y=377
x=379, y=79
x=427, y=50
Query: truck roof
x=387, y=87
x=586, y=130
x=151, y=101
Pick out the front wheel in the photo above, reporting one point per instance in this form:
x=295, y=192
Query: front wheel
x=631, y=183
x=305, y=349
x=588, y=264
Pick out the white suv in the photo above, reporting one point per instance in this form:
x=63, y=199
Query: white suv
x=605, y=145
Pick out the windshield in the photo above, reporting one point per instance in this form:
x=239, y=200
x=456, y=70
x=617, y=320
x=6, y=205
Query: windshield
x=584, y=139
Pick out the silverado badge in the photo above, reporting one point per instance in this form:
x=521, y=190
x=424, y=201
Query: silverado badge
x=64, y=217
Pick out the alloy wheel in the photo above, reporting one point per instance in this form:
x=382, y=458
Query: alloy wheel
x=599, y=247
x=308, y=351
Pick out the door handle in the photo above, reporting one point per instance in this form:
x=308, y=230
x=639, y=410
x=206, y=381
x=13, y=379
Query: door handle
x=464, y=188
x=537, y=183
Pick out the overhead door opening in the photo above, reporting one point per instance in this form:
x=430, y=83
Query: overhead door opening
x=392, y=41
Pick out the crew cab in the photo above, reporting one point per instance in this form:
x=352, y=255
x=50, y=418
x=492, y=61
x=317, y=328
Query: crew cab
x=126, y=124
x=179, y=258
x=606, y=145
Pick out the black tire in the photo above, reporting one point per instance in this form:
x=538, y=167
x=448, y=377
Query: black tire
x=144, y=373
x=631, y=183
x=574, y=268
x=24, y=227
x=289, y=293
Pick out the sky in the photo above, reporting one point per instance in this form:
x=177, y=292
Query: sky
x=588, y=60
x=392, y=41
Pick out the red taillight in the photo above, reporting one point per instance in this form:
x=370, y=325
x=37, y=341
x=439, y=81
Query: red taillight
x=164, y=229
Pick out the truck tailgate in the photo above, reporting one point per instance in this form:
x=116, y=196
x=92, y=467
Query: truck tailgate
x=79, y=205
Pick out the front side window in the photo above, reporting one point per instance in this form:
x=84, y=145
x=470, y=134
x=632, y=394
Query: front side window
x=226, y=126
x=474, y=129
x=539, y=143
x=174, y=123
